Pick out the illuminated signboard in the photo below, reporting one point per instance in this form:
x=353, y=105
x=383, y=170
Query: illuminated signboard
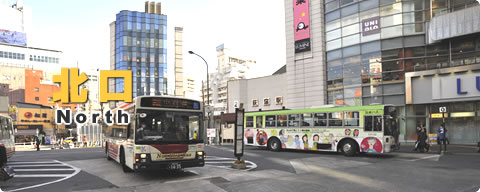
x=169, y=103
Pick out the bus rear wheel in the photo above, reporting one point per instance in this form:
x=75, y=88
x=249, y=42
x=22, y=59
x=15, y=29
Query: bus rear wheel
x=274, y=144
x=122, y=162
x=349, y=148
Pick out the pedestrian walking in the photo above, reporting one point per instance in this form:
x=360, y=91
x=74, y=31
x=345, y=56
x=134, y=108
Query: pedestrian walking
x=422, y=137
x=442, y=130
x=84, y=141
x=37, y=140
x=418, y=130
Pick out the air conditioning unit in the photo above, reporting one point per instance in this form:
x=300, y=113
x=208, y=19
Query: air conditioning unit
x=279, y=100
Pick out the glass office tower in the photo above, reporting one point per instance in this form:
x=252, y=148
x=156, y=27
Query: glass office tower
x=139, y=41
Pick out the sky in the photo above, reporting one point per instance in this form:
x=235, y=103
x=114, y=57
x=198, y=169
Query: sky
x=253, y=28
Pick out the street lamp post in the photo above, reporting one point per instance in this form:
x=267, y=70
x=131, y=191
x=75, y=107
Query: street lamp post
x=208, y=86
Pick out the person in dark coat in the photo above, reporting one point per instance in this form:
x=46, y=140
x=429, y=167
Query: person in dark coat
x=38, y=141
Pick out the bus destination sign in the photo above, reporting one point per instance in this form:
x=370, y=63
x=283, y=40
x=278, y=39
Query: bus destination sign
x=170, y=103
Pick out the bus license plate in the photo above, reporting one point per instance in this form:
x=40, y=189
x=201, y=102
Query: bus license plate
x=174, y=166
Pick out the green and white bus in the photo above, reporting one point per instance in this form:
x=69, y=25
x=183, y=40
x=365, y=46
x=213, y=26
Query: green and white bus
x=349, y=130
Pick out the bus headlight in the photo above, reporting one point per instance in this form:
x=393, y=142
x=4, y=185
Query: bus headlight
x=143, y=156
x=201, y=155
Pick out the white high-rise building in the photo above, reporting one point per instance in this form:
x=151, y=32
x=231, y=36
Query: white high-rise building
x=230, y=67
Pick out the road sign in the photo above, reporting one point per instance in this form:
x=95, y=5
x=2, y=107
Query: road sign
x=238, y=148
x=443, y=109
x=211, y=132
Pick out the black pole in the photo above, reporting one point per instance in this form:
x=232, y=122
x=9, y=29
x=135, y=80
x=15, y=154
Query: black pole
x=208, y=86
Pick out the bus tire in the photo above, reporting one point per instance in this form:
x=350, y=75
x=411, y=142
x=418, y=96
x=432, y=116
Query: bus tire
x=122, y=162
x=274, y=144
x=3, y=156
x=349, y=148
x=106, y=152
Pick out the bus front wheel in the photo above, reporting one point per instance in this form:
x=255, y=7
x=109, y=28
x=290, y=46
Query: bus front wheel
x=349, y=148
x=122, y=162
x=274, y=144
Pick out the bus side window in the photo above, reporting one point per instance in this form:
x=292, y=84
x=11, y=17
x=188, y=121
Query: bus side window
x=4, y=127
x=258, y=122
x=282, y=121
x=377, y=125
x=293, y=120
x=2, y=132
x=320, y=119
x=249, y=121
x=270, y=121
x=307, y=120
x=368, y=123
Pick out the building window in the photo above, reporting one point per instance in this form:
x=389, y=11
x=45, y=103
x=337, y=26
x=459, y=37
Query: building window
x=266, y=101
x=254, y=103
x=279, y=100
x=36, y=89
x=37, y=99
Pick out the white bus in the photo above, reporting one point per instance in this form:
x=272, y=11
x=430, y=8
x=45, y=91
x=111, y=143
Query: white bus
x=164, y=133
x=7, y=139
x=350, y=130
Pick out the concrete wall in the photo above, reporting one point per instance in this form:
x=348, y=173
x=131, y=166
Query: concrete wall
x=458, y=23
x=306, y=75
x=246, y=90
x=4, y=104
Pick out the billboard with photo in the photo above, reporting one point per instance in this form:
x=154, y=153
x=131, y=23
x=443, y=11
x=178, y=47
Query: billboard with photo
x=12, y=37
x=302, y=25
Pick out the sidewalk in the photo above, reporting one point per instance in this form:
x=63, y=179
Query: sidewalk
x=434, y=148
x=48, y=147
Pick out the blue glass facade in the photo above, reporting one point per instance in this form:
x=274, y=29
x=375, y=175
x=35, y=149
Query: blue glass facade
x=141, y=46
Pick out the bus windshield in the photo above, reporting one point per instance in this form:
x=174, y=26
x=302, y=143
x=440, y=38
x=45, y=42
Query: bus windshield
x=160, y=127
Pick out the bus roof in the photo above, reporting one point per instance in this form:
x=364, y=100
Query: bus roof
x=330, y=109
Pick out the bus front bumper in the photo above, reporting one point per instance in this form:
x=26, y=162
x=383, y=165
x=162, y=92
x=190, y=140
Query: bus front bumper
x=168, y=165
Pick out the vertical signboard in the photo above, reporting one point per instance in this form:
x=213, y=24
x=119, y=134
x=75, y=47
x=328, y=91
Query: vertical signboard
x=238, y=148
x=302, y=25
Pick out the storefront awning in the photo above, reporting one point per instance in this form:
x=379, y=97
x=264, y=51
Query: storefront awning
x=26, y=132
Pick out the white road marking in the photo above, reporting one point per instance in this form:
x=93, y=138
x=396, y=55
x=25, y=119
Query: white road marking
x=30, y=162
x=193, y=179
x=17, y=170
x=361, y=180
x=77, y=170
x=41, y=165
x=426, y=157
x=43, y=175
x=214, y=161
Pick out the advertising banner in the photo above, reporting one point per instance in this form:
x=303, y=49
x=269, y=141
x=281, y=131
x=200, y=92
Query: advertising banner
x=12, y=37
x=302, y=25
x=210, y=132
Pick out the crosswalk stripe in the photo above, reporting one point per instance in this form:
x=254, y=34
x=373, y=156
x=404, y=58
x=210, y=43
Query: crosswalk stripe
x=31, y=162
x=41, y=165
x=44, y=175
x=207, y=162
x=17, y=170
